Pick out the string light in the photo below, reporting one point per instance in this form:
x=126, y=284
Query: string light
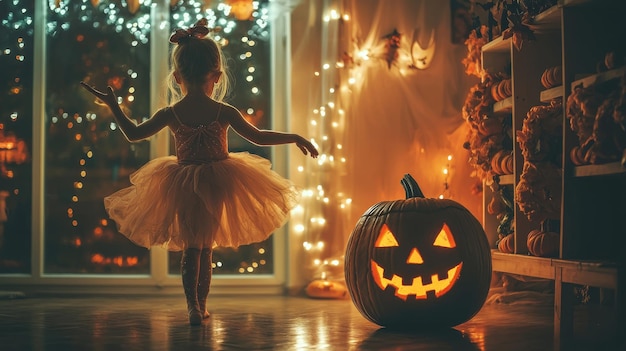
x=446, y=181
x=326, y=123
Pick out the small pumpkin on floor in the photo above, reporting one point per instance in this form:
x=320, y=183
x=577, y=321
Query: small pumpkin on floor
x=418, y=262
x=326, y=289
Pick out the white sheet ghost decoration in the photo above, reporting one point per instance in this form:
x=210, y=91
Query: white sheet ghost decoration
x=422, y=57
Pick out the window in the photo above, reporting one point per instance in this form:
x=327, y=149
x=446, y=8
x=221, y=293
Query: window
x=84, y=155
x=16, y=125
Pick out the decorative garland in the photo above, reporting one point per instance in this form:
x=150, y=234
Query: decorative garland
x=538, y=192
x=489, y=132
x=597, y=115
x=473, y=61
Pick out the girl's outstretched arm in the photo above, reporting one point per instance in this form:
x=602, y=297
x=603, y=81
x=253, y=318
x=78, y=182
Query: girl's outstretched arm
x=267, y=137
x=131, y=130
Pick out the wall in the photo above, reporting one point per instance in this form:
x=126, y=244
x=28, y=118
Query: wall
x=396, y=119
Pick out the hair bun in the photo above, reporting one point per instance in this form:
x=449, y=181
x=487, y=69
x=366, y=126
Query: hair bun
x=198, y=30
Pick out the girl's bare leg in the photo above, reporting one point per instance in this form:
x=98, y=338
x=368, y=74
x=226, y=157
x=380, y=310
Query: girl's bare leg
x=204, y=280
x=190, y=270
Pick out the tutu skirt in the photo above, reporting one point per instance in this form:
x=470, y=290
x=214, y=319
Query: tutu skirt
x=231, y=202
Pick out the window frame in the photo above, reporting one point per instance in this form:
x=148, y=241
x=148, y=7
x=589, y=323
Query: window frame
x=158, y=280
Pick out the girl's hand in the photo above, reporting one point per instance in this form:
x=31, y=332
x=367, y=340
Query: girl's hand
x=307, y=147
x=108, y=98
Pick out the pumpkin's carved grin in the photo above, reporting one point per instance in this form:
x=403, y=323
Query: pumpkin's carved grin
x=417, y=288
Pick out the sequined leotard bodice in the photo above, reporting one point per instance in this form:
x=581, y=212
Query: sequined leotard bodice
x=202, y=143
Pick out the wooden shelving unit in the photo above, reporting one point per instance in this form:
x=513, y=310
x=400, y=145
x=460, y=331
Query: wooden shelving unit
x=574, y=34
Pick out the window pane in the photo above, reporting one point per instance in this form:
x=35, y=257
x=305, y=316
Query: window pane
x=86, y=156
x=245, y=39
x=16, y=125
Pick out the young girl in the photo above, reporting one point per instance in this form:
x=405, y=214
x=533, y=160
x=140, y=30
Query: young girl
x=205, y=196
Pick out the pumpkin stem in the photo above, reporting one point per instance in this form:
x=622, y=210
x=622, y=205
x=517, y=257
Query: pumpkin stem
x=411, y=189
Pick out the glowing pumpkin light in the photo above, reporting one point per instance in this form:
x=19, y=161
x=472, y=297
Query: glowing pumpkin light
x=241, y=9
x=418, y=262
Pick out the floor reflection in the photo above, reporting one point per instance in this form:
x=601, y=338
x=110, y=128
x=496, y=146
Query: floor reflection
x=251, y=323
x=445, y=339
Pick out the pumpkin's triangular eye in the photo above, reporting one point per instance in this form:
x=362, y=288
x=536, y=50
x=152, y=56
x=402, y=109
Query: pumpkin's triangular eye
x=445, y=238
x=386, y=238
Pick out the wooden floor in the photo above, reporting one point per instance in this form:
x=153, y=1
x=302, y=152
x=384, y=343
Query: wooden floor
x=260, y=323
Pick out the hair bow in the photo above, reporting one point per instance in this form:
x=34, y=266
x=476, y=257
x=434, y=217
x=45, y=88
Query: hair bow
x=198, y=30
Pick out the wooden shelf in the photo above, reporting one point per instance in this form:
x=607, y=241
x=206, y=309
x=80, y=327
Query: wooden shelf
x=549, y=19
x=506, y=179
x=599, y=78
x=522, y=265
x=505, y=105
x=498, y=45
x=599, y=170
x=552, y=93
x=566, y=3
x=593, y=273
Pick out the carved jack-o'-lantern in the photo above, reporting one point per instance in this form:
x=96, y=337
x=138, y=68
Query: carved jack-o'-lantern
x=418, y=262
